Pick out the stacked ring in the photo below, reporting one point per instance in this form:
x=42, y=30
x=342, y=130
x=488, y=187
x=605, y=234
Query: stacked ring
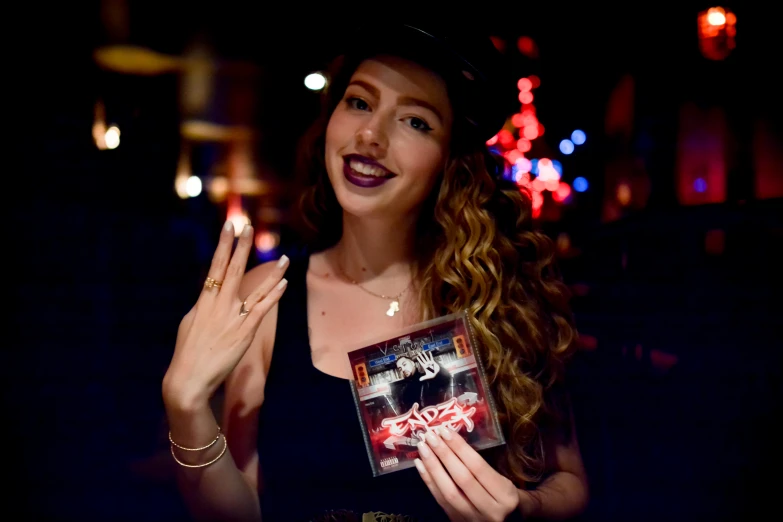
x=210, y=283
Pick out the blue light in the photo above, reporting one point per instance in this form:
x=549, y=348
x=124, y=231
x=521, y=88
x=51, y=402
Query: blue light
x=566, y=147
x=700, y=185
x=578, y=137
x=558, y=166
x=534, y=166
x=580, y=184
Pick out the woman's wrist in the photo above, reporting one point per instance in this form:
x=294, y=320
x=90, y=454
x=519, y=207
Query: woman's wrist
x=184, y=399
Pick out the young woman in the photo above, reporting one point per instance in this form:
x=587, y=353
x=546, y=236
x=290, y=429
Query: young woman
x=403, y=207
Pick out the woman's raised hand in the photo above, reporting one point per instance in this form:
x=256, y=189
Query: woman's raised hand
x=218, y=330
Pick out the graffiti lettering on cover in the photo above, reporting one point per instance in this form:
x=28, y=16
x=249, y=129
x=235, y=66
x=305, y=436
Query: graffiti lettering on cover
x=450, y=414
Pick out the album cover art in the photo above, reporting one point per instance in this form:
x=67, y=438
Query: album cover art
x=428, y=376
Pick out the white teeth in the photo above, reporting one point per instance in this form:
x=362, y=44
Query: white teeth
x=367, y=170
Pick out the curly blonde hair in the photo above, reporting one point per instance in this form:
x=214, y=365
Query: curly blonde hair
x=478, y=251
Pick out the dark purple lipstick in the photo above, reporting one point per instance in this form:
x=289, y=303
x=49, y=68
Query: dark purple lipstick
x=360, y=179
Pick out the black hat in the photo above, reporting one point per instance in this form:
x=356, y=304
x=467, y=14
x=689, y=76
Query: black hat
x=480, y=84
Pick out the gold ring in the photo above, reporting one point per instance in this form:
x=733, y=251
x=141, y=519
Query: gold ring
x=209, y=283
x=244, y=311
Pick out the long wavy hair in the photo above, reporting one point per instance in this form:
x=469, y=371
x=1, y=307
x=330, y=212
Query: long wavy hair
x=478, y=251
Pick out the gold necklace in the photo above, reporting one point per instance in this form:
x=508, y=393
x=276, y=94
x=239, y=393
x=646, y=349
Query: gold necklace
x=394, y=305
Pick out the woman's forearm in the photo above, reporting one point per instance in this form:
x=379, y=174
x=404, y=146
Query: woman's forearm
x=215, y=492
x=561, y=496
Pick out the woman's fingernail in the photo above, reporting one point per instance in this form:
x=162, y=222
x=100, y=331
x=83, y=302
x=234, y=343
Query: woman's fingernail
x=432, y=439
x=420, y=466
x=282, y=261
x=229, y=226
x=281, y=284
x=424, y=450
x=247, y=231
x=444, y=432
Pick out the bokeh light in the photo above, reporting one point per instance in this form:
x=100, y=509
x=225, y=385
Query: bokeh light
x=580, y=184
x=566, y=147
x=193, y=186
x=578, y=137
x=315, y=81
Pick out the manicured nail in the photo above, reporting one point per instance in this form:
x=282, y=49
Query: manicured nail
x=229, y=226
x=432, y=439
x=424, y=450
x=282, y=261
x=444, y=432
x=247, y=231
x=281, y=284
x=420, y=466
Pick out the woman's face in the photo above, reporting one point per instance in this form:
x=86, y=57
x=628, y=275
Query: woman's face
x=388, y=139
x=406, y=366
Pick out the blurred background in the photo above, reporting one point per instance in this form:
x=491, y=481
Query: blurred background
x=651, y=137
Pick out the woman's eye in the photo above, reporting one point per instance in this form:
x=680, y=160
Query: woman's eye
x=358, y=104
x=419, y=124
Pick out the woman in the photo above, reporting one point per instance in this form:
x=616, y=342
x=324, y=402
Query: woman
x=408, y=223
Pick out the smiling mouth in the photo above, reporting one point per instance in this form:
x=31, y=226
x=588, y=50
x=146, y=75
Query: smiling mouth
x=364, y=166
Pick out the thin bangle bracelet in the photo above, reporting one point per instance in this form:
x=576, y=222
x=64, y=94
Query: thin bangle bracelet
x=223, y=451
x=196, y=449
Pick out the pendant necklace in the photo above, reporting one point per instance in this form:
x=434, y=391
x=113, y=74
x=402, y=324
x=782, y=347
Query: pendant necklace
x=394, y=304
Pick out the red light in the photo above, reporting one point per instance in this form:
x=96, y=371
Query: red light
x=513, y=155
x=524, y=84
x=506, y=138
x=492, y=140
x=538, y=185
x=523, y=145
x=527, y=46
x=530, y=132
x=562, y=192
x=534, y=80
x=551, y=185
x=526, y=97
x=499, y=43
x=540, y=130
x=518, y=120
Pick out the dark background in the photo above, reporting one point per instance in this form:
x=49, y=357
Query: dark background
x=105, y=259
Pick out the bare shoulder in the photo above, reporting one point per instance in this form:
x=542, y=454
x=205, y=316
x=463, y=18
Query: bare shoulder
x=255, y=277
x=244, y=387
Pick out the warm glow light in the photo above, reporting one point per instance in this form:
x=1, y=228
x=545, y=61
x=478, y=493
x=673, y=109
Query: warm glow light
x=623, y=193
x=193, y=186
x=523, y=145
x=518, y=120
x=267, y=241
x=526, y=97
x=716, y=16
x=492, y=140
x=112, y=137
x=315, y=81
x=530, y=132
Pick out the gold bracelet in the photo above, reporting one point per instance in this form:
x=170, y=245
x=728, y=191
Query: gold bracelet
x=196, y=449
x=225, y=447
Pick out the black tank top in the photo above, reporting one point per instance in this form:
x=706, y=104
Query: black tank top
x=314, y=465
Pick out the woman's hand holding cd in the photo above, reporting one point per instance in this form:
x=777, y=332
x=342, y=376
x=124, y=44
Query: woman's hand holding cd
x=218, y=330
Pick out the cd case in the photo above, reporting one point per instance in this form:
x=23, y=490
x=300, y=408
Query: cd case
x=430, y=375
